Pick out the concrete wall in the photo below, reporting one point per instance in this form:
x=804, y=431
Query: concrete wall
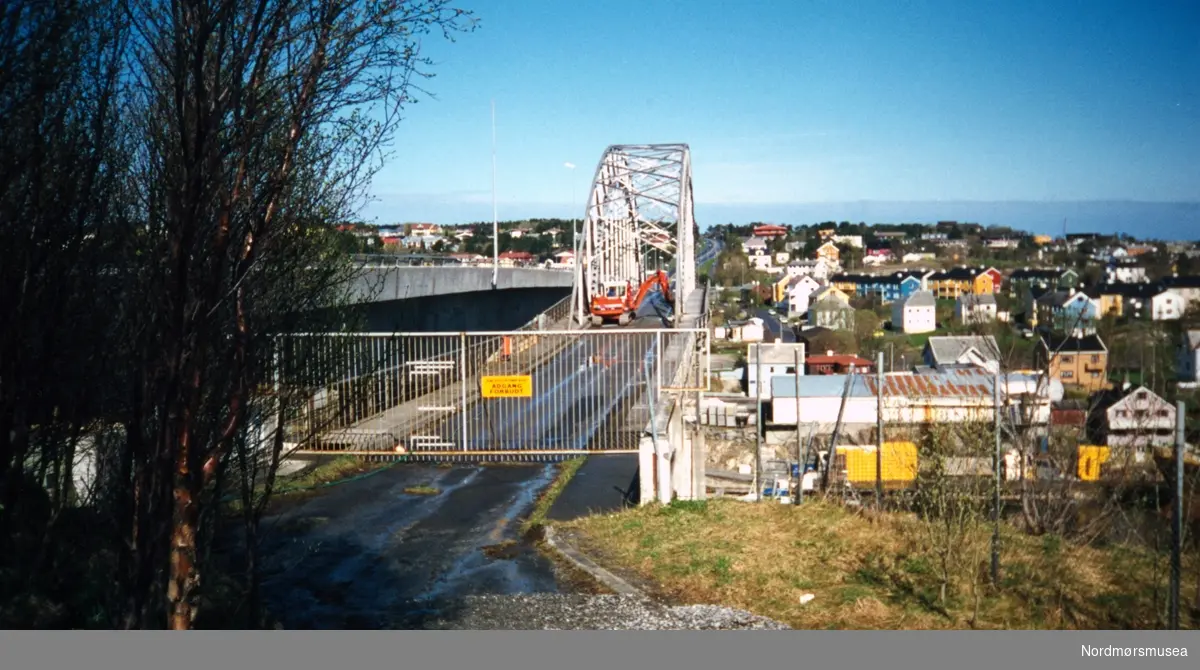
x=479, y=310
x=406, y=283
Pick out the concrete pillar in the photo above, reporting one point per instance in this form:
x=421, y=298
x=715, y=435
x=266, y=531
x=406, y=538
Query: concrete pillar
x=646, y=463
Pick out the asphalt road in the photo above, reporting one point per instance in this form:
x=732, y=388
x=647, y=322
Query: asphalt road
x=365, y=554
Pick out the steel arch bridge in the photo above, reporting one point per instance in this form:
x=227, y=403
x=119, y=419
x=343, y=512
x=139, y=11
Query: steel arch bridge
x=639, y=211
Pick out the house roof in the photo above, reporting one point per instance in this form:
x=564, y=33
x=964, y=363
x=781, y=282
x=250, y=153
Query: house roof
x=844, y=360
x=829, y=302
x=948, y=349
x=964, y=383
x=1036, y=273
x=755, y=242
x=1069, y=344
x=957, y=273
x=809, y=334
x=1144, y=290
x=920, y=299
x=778, y=353
x=1182, y=281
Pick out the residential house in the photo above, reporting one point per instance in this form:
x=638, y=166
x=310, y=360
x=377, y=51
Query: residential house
x=910, y=282
x=908, y=398
x=1189, y=357
x=754, y=246
x=1041, y=277
x=1187, y=286
x=997, y=279
x=831, y=312
x=975, y=309
x=1069, y=311
x=917, y=256
x=762, y=262
x=830, y=291
x=826, y=233
x=1126, y=270
x=1167, y=305
x=837, y=364
x=798, y=292
x=776, y=359
x=1074, y=360
x=845, y=282
x=564, y=259
x=956, y=281
x=810, y=335
x=890, y=234
x=751, y=330
x=469, y=259
x=519, y=232
x=1002, y=243
x=1133, y=424
x=915, y=314
x=819, y=269
x=424, y=230
x=515, y=258
x=855, y=241
x=881, y=251
x=782, y=257
x=829, y=252
x=944, y=352
x=934, y=237
x=1118, y=299
x=770, y=231
x=1042, y=240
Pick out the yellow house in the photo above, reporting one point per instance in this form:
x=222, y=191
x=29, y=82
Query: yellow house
x=845, y=282
x=983, y=284
x=781, y=287
x=829, y=252
x=961, y=280
x=1042, y=240
x=826, y=233
x=1110, y=304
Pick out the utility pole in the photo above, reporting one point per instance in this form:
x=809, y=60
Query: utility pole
x=495, y=220
x=996, y=476
x=879, y=383
x=758, y=427
x=799, y=449
x=1177, y=517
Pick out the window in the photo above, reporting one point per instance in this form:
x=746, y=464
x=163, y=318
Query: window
x=1162, y=412
x=1067, y=374
x=1095, y=358
x=1067, y=360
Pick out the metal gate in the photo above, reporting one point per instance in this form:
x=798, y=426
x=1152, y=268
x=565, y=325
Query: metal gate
x=484, y=396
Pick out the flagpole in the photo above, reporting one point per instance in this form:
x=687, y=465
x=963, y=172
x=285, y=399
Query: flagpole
x=495, y=220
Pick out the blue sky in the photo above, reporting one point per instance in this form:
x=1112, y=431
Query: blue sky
x=791, y=103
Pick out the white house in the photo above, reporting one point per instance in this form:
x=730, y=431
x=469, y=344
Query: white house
x=798, y=292
x=917, y=256
x=1127, y=271
x=762, y=262
x=855, y=241
x=1140, y=420
x=777, y=359
x=1189, y=357
x=755, y=246
x=1167, y=306
x=971, y=308
x=818, y=269
x=564, y=259
x=915, y=314
x=782, y=257
x=750, y=331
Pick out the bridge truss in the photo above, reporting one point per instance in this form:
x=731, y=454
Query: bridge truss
x=639, y=218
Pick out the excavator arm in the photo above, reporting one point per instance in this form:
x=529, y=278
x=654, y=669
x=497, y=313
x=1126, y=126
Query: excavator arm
x=660, y=279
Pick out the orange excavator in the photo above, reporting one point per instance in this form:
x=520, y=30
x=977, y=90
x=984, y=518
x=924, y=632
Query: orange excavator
x=620, y=303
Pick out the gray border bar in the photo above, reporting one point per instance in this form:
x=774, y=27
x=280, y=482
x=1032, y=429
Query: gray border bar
x=581, y=650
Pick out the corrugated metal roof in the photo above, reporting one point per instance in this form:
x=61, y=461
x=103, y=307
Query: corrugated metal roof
x=957, y=384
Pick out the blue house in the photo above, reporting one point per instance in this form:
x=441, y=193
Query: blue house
x=909, y=285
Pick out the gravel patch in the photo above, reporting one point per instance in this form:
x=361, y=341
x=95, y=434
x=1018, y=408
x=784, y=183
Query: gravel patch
x=550, y=611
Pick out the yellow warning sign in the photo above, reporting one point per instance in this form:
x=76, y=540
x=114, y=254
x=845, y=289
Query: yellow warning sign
x=512, y=386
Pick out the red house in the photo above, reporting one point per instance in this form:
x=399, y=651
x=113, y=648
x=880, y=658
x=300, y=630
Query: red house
x=997, y=279
x=770, y=231
x=836, y=364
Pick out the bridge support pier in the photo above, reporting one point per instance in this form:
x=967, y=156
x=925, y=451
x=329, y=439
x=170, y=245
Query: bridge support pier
x=672, y=465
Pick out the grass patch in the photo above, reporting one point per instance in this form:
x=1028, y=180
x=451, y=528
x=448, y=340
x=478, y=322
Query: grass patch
x=422, y=490
x=566, y=470
x=868, y=573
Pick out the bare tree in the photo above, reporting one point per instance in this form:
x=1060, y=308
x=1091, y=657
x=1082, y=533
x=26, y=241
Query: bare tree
x=260, y=124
